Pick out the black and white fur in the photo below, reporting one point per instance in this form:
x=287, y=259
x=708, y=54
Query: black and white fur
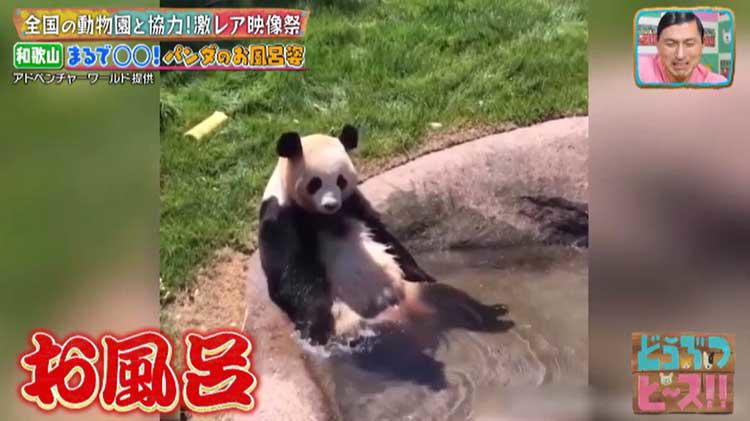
x=330, y=263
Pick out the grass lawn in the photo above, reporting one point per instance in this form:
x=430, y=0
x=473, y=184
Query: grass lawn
x=388, y=67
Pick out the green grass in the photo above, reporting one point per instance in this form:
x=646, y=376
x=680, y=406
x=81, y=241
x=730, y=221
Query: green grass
x=390, y=68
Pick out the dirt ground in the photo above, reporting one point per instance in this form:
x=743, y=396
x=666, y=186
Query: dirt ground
x=217, y=295
x=217, y=299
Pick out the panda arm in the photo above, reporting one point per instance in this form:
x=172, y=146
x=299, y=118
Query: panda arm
x=358, y=207
x=297, y=281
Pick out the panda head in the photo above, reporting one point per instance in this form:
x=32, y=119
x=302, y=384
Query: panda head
x=319, y=174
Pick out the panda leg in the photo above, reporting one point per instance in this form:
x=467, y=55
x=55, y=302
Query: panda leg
x=296, y=279
x=348, y=321
x=305, y=297
x=457, y=309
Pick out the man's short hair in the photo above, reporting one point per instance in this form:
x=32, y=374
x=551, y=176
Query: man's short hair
x=678, y=18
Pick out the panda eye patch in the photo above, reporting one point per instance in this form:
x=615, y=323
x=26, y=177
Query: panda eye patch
x=341, y=182
x=314, y=185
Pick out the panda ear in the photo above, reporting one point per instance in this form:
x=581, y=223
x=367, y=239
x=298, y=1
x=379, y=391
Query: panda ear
x=349, y=137
x=289, y=145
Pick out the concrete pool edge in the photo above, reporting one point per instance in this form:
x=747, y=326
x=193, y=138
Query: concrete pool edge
x=473, y=194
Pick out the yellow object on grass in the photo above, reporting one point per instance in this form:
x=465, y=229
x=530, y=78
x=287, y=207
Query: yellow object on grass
x=207, y=126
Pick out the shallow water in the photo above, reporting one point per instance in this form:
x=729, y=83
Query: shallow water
x=428, y=371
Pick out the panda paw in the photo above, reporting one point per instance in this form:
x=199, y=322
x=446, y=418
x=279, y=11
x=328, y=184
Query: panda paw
x=317, y=333
x=491, y=318
x=498, y=309
x=318, y=328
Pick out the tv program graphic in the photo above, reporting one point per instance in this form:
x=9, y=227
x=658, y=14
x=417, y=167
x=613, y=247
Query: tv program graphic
x=158, y=24
x=224, y=210
x=72, y=41
x=701, y=54
x=135, y=372
x=682, y=372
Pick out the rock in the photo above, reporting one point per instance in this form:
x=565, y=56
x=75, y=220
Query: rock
x=477, y=194
x=518, y=187
x=561, y=221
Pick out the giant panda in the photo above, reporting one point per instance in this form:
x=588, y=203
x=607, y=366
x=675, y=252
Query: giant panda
x=330, y=263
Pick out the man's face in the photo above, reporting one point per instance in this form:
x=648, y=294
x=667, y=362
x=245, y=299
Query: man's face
x=680, y=48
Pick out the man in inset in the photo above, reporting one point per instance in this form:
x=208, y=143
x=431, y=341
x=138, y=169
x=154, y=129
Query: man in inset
x=679, y=41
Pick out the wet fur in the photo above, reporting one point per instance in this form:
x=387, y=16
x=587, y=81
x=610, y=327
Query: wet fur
x=307, y=258
x=333, y=273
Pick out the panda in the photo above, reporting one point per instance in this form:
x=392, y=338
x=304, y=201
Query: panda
x=330, y=263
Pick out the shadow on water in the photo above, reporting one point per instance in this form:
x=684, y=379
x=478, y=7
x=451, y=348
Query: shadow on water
x=415, y=341
x=466, y=360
